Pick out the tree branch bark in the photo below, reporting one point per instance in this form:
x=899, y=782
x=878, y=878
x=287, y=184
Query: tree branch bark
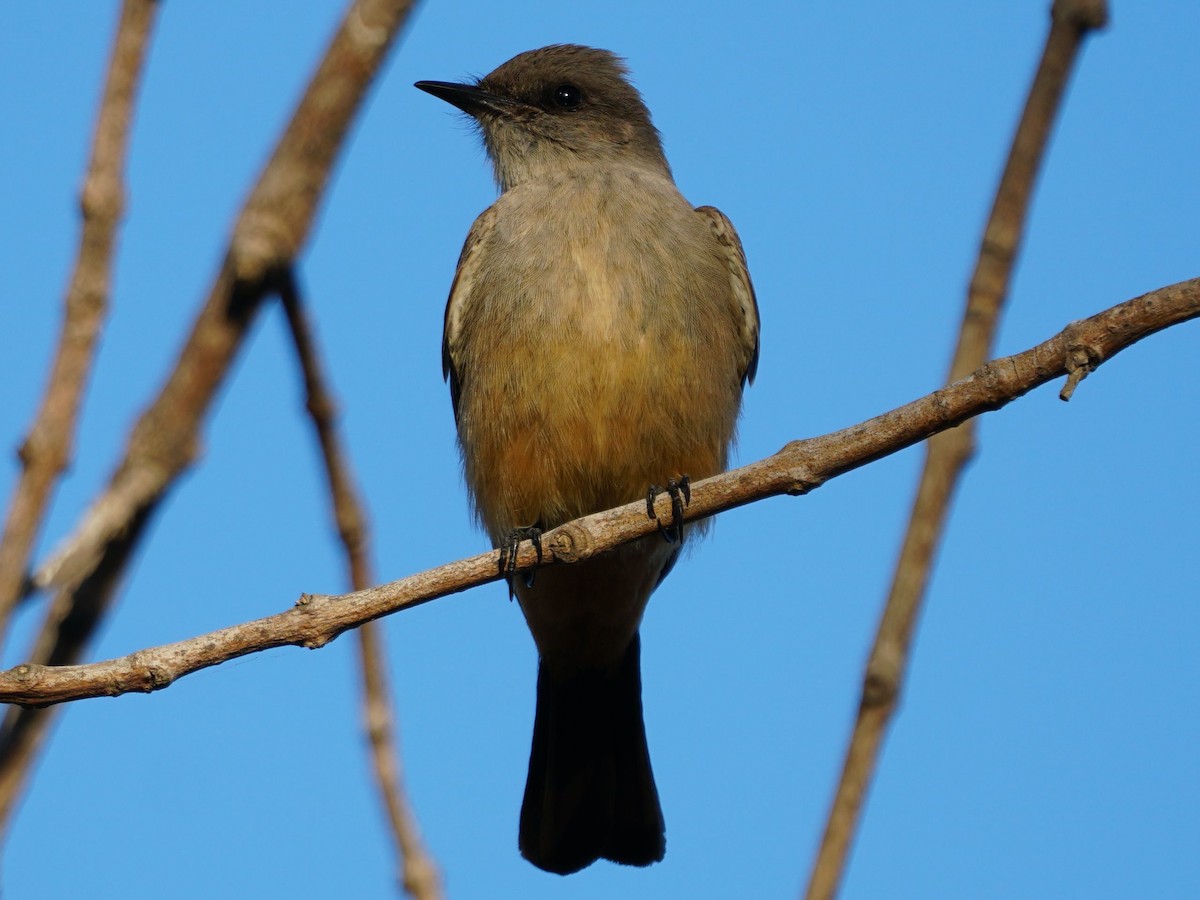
x=949, y=451
x=801, y=466
x=418, y=874
x=47, y=449
x=269, y=233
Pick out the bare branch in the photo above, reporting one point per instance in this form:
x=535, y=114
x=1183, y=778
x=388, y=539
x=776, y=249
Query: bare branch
x=47, y=449
x=949, y=451
x=418, y=873
x=798, y=468
x=269, y=232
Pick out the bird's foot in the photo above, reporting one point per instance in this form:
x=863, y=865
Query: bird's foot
x=508, y=554
x=680, y=492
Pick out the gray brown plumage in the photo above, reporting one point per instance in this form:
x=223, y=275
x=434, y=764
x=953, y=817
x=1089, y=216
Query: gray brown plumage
x=598, y=335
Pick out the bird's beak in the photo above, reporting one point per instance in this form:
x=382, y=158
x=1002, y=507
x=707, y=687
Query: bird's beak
x=469, y=98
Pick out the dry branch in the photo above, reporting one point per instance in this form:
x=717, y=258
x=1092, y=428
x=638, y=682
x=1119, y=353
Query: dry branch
x=948, y=452
x=418, y=874
x=269, y=233
x=47, y=449
x=799, y=467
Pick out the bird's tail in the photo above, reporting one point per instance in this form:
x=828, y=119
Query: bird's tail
x=590, y=792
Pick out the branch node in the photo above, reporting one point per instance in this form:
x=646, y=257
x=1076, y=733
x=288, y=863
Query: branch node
x=261, y=242
x=363, y=32
x=1081, y=360
x=1083, y=14
x=156, y=679
x=802, y=479
x=803, y=482
x=26, y=452
x=879, y=690
x=570, y=543
x=322, y=407
x=102, y=198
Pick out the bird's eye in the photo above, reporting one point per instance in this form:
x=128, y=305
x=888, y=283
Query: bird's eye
x=567, y=96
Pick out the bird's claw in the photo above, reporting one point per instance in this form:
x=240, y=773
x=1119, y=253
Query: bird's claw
x=508, y=554
x=680, y=492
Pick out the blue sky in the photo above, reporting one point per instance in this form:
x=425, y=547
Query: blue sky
x=1048, y=742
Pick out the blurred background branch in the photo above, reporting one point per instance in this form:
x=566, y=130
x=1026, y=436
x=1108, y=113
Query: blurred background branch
x=270, y=231
x=47, y=450
x=418, y=874
x=948, y=452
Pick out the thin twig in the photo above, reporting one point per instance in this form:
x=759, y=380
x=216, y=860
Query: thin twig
x=270, y=231
x=418, y=874
x=798, y=468
x=948, y=453
x=47, y=449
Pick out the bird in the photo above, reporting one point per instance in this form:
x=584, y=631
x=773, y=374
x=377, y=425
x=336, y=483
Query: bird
x=598, y=336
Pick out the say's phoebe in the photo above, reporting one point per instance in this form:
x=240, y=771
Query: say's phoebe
x=598, y=336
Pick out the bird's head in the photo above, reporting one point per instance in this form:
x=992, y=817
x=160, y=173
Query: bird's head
x=549, y=110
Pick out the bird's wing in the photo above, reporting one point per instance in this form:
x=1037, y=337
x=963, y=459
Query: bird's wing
x=743, y=291
x=458, y=305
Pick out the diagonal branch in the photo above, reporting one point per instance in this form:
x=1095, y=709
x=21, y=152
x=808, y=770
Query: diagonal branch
x=798, y=468
x=948, y=452
x=418, y=875
x=47, y=449
x=267, y=236
x=269, y=233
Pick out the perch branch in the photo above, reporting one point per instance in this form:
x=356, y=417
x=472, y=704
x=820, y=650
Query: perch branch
x=801, y=466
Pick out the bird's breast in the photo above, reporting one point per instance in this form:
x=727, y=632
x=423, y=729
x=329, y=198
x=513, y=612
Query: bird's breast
x=596, y=359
